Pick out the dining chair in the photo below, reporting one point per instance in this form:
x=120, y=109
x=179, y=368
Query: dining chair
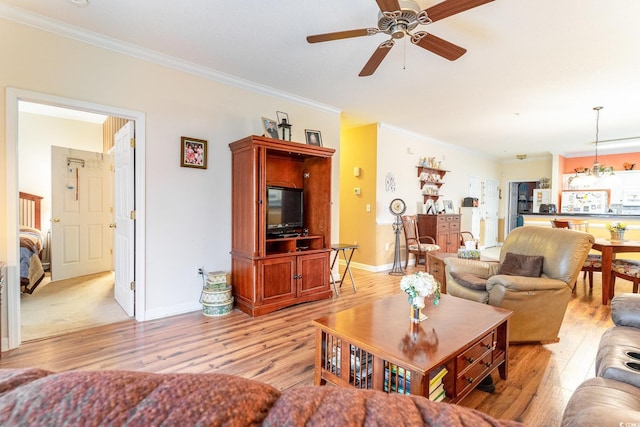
x=625, y=269
x=414, y=243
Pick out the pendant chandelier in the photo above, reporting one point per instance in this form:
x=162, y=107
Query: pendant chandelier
x=596, y=166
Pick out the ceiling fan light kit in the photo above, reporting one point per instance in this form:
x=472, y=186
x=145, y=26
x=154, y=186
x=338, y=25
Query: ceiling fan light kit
x=397, y=18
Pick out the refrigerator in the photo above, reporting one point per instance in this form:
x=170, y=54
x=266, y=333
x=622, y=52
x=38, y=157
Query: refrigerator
x=586, y=201
x=541, y=196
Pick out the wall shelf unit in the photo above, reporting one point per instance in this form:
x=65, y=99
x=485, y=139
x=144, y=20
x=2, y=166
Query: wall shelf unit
x=431, y=180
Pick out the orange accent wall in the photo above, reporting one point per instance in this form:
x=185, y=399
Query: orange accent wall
x=615, y=160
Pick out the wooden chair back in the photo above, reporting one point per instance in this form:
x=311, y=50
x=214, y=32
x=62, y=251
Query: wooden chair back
x=557, y=223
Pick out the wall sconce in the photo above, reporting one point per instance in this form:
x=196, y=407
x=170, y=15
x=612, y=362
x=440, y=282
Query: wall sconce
x=283, y=122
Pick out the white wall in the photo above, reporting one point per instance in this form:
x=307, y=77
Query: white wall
x=188, y=210
x=399, y=153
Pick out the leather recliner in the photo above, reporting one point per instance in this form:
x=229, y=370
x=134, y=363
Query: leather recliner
x=538, y=303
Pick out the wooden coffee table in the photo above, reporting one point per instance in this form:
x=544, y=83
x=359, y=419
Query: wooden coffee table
x=374, y=345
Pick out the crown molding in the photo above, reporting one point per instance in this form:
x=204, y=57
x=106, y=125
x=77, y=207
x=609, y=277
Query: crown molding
x=56, y=27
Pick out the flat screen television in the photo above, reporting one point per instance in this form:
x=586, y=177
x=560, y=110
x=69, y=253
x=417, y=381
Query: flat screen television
x=285, y=210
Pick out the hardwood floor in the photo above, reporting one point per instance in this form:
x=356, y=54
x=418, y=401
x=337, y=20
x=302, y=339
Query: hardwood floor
x=278, y=349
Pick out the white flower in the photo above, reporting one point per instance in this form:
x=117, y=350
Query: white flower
x=420, y=284
x=617, y=226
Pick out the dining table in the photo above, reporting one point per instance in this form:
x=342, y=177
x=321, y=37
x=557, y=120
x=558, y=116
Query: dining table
x=608, y=248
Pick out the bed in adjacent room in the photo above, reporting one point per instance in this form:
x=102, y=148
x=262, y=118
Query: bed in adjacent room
x=31, y=243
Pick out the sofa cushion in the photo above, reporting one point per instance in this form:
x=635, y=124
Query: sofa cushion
x=602, y=402
x=469, y=280
x=521, y=265
x=40, y=398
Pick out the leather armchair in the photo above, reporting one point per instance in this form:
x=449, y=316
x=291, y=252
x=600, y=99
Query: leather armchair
x=538, y=303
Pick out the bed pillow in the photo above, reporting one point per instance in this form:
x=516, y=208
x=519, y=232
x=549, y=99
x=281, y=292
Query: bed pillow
x=470, y=281
x=521, y=265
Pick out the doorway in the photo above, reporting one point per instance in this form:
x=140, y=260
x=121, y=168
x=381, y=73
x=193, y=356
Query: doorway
x=520, y=202
x=14, y=96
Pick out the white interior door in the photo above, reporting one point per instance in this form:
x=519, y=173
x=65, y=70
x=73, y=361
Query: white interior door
x=491, y=214
x=80, y=192
x=124, y=223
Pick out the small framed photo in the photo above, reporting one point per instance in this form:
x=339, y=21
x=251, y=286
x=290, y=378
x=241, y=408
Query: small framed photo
x=313, y=137
x=270, y=128
x=193, y=153
x=448, y=206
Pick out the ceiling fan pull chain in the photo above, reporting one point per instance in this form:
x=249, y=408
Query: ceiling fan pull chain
x=404, y=55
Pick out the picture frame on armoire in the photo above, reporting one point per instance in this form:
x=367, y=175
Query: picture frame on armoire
x=313, y=137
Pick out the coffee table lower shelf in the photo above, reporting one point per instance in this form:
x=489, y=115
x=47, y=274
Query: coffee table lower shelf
x=404, y=358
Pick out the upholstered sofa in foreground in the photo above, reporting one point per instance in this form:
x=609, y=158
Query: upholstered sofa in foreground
x=612, y=398
x=34, y=397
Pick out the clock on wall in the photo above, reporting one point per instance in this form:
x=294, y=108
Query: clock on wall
x=397, y=206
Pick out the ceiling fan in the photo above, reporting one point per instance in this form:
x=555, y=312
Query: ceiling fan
x=398, y=18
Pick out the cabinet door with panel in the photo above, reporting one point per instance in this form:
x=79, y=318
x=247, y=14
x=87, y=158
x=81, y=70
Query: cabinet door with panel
x=276, y=279
x=312, y=273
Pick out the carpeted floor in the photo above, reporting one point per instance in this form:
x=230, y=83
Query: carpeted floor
x=64, y=306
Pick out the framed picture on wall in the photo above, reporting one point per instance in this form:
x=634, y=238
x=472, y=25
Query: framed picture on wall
x=193, y=153
x=313, y=137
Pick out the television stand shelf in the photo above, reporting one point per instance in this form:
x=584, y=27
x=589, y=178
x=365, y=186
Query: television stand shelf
x=280, y=245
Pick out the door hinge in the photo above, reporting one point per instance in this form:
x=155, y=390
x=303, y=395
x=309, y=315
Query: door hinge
x=132, y=214
x=132, y=142
x=133, y=286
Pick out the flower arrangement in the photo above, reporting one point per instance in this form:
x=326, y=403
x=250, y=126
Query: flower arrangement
x=617, y=226
x=420, y=284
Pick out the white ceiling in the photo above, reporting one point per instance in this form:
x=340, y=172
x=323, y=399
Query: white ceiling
x=528, y=83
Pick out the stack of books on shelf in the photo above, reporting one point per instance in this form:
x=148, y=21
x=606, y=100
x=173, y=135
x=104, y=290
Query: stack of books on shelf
x=436, y=384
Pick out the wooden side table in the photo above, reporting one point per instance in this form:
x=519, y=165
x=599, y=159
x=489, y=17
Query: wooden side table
x=435, y=261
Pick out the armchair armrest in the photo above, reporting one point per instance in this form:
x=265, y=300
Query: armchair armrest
x=522, y=283
x=428, y=239
x=482, y=269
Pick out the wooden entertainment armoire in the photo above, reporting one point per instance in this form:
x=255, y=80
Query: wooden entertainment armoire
x=268, y=274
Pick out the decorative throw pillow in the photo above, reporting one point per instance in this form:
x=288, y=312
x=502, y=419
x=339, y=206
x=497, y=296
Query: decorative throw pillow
x=521, y=265
x=470, y=281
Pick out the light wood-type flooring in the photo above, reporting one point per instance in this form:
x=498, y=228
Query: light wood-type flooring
x=278, y=349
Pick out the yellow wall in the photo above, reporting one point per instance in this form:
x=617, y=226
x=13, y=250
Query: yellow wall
x=358, y=149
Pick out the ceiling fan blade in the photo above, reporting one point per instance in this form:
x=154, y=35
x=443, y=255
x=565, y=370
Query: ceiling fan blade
x=341, y=35
x=452, y=7
x=378, y=55
x=388, y=5
x=438, y=46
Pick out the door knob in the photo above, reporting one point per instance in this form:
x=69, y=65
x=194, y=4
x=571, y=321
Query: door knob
x=112, y=225
x=56, y=219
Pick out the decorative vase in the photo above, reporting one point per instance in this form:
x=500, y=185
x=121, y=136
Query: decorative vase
x=617, y=235
x=417, y=304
